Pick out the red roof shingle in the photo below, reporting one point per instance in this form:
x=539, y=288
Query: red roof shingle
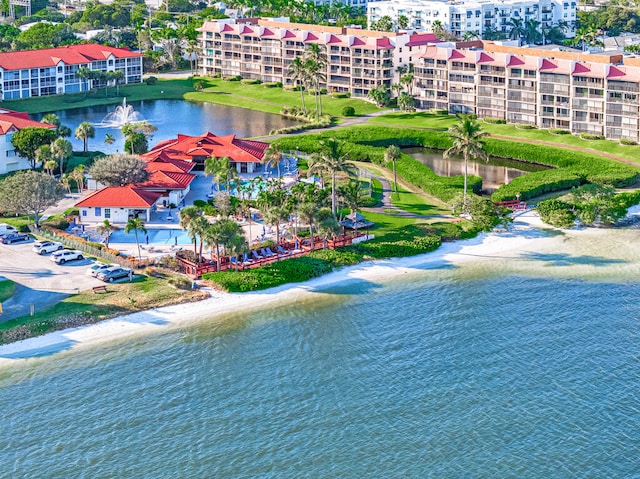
x=120, y=197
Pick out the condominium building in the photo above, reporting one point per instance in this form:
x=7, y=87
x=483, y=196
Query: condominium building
x=357, y=60
x=52, y=71
x=580, y=92
x=475, y=17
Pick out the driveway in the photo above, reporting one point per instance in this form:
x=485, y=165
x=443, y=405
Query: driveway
x=39, y=281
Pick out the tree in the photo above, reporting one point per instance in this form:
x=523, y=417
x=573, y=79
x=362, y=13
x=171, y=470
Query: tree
x=532, y=31
x=61, y=150
x=332, y=159
x=77, y=175
x=187, y=215
x=308, y=214
x=52, y=119
x=482, y=212
x=49, y=166
x=379, y=95
x=384, y=24
x=29, y=139
x=274, y=206
x=84, y=74
x=217, y=169
x=466, y=135
x=29, y=192
x=136, y=135
x=43, y=156
x=391, y=154
x=135, y=225
x=516, y=28
x=403, y=22
x=405, y=101
x=109, y=139
x=84, y=131
x=197, y=229
x=299, y=75
x=106, y=228
x=273, y=157
x=119, y=170
x=316, y=65
x=351, y=194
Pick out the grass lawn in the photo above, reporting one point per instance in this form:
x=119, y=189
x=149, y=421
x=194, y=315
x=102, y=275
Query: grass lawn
x=7, y=288
x=442, y=123
x=271, y=100
x=414, y=203
x=122, y=298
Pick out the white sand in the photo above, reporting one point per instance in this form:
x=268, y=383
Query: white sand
x=524, y=236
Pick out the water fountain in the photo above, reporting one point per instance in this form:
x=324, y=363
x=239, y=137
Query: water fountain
x=122, y=115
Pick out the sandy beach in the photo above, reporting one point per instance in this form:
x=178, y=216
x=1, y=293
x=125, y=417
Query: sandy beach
x=490, y=252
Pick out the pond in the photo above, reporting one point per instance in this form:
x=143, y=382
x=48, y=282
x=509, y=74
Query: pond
x=494, y=173
x=172, y=117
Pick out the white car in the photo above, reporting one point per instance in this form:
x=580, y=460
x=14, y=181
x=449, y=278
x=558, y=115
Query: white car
x=61, y=257
x=94, y=269
x=44, y=247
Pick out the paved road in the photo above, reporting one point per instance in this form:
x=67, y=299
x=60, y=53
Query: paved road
x=39, y=281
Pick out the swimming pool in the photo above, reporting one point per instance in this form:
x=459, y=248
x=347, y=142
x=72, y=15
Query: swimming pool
x=156, y=237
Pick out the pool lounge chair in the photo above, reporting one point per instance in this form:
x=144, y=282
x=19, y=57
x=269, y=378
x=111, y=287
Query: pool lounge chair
x=246, y=259
x=255, y=255
x=281, y=250
x=264, y=253
x=271, y=253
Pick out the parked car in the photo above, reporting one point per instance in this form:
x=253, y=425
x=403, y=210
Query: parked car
x=109, y=275
x=6, y=229
x=61, y=257
x=44, y=247
x=14, y=238
x=94, y=269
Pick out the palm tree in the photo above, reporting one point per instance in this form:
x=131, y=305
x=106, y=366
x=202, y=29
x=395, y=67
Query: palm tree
x=65, y=182
x=299, y=75
x=531, y=31
x=216, y=168
x=135, y=225
x=332, y=159
x=106, y=228
x=392, y=153
x=316, y=65
x=308, y=213
x=197, y=229
x=43, y=154
x=406, y=80
x=49, y=166
x=273, y=157
x=466, y=134
x=516, y=29
x=85, y=131
x=109, y=139
x=351, y=194
x=405, y=101
x=187, y=215
x=61, y=150
x=84, y=74
x=238, y=246
x=77, y=175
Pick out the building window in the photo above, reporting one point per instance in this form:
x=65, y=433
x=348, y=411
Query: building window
x=107, y=213
x=84, y=212
x=98, y=211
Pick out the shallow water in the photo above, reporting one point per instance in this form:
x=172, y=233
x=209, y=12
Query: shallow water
x=495, y=360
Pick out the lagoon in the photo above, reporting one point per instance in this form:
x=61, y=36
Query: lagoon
x=510, y=355
x=172, y=117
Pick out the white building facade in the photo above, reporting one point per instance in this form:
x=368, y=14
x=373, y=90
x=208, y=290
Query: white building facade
x=473, y=17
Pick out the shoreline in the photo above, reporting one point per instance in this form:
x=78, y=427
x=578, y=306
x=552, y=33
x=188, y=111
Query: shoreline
x=486, y=247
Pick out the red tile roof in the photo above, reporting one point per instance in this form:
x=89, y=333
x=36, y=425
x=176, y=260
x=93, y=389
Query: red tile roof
x=120, y=197
x=70, y=55
x=209, y=145
x=420, y=39
x=167, y=180
x=16, y=120
x=267, y=33
x=169, y=166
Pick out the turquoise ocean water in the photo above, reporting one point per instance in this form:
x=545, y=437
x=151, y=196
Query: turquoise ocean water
x=447, y=372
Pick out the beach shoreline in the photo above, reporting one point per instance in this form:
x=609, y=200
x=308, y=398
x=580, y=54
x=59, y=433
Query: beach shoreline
x=483, y=247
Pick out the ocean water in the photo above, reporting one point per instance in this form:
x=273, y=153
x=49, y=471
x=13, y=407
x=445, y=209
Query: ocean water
x=522, y=364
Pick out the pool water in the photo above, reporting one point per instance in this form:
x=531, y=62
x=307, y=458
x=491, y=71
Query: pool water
x=156, y=237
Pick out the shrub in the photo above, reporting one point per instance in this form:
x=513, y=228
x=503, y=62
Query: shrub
x=591, y=136
x=627, y=142
x=525, y=126
x=494, y=121
x=151, y=80
x=556, y=213
x=24, y=229
x=559, y=131
x=72, y=212
x=249, y=81
x=272, y=84
x=199, y=203
x=232, y=78
x=99, y=246
x=348, y=111
x=341, y=95
x=199, y=85
x=59, y=224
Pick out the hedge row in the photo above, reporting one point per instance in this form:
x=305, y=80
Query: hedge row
x=571, y=168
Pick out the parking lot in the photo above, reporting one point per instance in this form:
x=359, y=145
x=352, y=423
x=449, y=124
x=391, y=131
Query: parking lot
x=39, y=281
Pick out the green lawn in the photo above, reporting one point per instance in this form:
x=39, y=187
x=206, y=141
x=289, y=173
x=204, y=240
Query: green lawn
x=271, y=100
x=7, y=288
x=413, y=203
x=442, y=122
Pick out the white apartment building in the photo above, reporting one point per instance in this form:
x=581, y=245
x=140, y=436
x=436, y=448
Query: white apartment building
x=10, y=123
x=575, y=91
x=461, y=17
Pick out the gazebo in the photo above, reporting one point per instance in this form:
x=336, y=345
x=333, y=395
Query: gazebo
x=356, y=221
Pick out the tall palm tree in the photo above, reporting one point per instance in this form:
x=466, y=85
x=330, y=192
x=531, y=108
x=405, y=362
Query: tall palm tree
x=316, y=66
x=187, y=215
x=61, y=150
x=516, y=28
x=308, y=213
x=351, y=194
x=85, y=131
x=109, y=139
x=106, y=228
x=391, y=154
x=216, y=168
x=197, y=229
x=135, y=225
x=77, y=175
x=238, y=246
x=332, y=159
x=299, y=74
x=466, y=135
x=532, y=31
x=49, y=166
x=273, y=157
x=85, y=75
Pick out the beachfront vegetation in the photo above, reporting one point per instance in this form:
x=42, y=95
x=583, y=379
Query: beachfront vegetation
x=87, y=307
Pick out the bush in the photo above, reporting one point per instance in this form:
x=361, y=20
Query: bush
x=556, y=213
x=348, y=111
x=341, y=95
x=24, y=229
x=232, y=78
x=591, y=136
x=200, y=203
x=249, y=81
x=559, y=131
x=627, y=142
x=494, y=121
x=273, y=84
x=151, y=80
x=59, y=224
x=525, y=126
